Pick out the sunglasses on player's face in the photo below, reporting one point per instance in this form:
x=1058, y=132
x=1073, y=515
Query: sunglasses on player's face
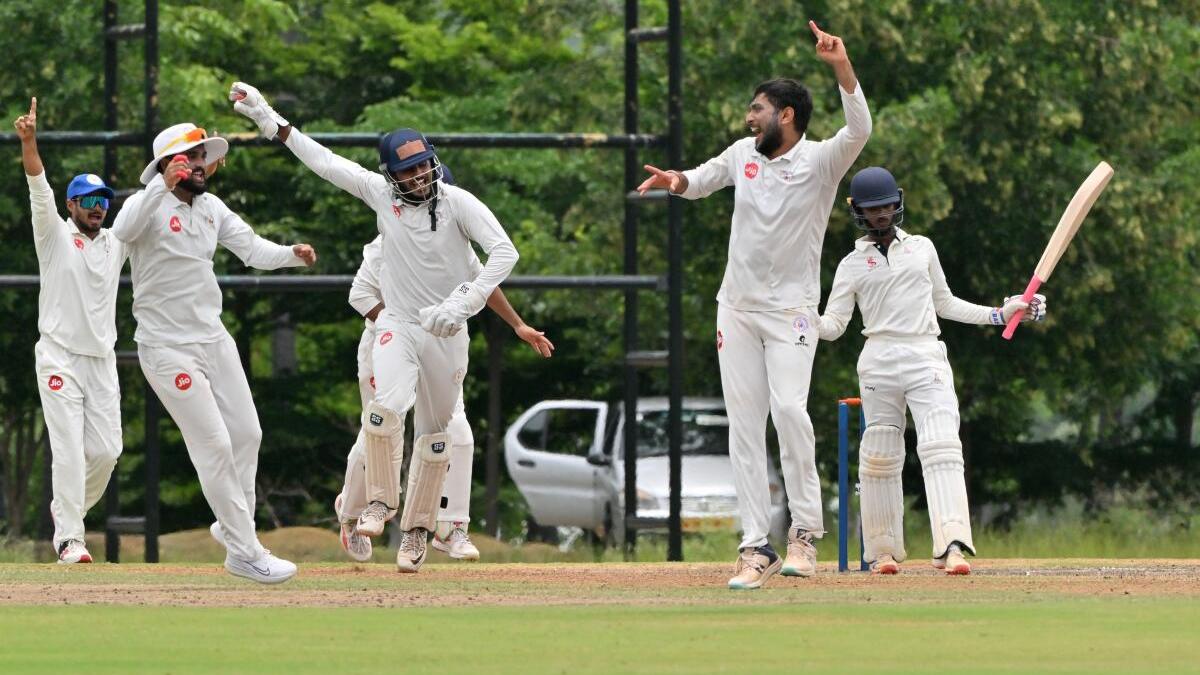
x=92, y=201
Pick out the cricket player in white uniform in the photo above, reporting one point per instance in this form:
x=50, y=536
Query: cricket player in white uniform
x=784, y=188
x=897, y=282
x=451, y=536
x=186, y=354
x=80, y=265
x=431, y=284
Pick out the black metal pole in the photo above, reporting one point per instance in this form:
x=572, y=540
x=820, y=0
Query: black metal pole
x=150, y=43
x=631, y=265
x=675, y=276
x=495, y=344
x=153, y=414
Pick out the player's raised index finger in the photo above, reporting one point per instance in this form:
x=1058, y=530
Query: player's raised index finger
x=33, y=106
x=815, y=31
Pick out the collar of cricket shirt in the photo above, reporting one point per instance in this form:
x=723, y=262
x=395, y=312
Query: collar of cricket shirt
x=864, y=242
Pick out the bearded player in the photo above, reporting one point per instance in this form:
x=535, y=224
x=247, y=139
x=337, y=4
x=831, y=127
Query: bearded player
x=784, y=187
x=897, y=282
x=431, y=284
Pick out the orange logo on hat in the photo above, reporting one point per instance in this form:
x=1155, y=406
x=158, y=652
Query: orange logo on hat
x=409, y=149
x=176, y=225
x=183, y=382
x=55, y=383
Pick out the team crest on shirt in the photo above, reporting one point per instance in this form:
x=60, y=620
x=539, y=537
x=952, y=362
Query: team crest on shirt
x=385, y=338
x=751, y=170
x=720, y=340
x=800, y=324
x=786, y=175
x=55, y=383
x=396, y=209
x=175, y=225
x=872, y=263
x=183, y=382
x=78, y=243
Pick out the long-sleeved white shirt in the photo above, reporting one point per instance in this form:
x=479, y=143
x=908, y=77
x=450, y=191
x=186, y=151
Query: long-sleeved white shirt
x=176, y=299
x=781, y=210
x=900, y=294
x=77, y=304
x=420, y=266
x=364, y=290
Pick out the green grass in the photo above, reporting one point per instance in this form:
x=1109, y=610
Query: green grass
x=1085, y=636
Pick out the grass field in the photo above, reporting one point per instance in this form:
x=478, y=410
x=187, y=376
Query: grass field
x=1010, y=616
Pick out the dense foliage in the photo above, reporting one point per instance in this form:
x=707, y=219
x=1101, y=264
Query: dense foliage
x=990, y=113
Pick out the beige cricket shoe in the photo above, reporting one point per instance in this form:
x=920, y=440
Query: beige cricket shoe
x=801, y=558
x=885, y=564
x=412, y=551
x=754, y=566
x=354, y=543
x=452, y=539
x=954, y=562
x=373, y=518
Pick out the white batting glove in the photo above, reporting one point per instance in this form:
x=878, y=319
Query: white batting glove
x=1035, y=310
x=451, y=315
x=249, y=102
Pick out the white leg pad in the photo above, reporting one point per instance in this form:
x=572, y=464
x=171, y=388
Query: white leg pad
x=940, y=451
x=426, y=476
x=880, y=461
x=382, y=426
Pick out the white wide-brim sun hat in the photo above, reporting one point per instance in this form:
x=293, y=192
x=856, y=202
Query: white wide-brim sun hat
x=179, y=139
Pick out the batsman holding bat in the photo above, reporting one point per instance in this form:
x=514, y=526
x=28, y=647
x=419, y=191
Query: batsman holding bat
x=172, y=229
x=450, y=535
x=897, y=282
x=784, y=187
x=431, y=284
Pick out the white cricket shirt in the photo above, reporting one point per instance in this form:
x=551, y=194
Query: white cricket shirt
x=77, y=304
x=781, y=209
x=176, y=299
x=900, y=294
x=420, y=266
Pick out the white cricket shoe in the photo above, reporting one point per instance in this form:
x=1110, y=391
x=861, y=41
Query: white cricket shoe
x=754, y=566
x=452, y=539
x=266, y=570
x=356, y=545
x=954, y=561
x=218, y=534
x=373, y=518
x=801, y=558
x=885, y=564
x=412, y=551
x=73, y=551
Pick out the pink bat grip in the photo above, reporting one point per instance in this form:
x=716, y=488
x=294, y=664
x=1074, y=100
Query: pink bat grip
x=1027, y=296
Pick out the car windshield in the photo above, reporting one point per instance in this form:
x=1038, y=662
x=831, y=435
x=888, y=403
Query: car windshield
x=705, y=432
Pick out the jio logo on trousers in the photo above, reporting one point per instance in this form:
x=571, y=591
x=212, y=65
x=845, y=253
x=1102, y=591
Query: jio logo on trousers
x=183, y=382
x=55, y=383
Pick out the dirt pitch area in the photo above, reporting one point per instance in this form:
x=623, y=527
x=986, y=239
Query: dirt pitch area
x=645, y=584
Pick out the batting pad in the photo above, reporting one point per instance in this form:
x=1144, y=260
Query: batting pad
x=880, y=461
x=426, y=476
x=945, y=485
x=383, y=427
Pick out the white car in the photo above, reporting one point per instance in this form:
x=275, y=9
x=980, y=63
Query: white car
x=566, y=457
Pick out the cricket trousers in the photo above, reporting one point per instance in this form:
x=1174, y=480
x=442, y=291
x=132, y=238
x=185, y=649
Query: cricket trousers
x=203, y=387
x=766, y=363
x=81, y=402
x=457, y=489
x=913, y=372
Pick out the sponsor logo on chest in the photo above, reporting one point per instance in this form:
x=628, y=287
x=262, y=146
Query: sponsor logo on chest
x=175, y=225
x=385, y=338
x=751, y=170
x=78, y=243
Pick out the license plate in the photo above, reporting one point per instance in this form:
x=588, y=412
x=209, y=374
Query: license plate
x=707, y=524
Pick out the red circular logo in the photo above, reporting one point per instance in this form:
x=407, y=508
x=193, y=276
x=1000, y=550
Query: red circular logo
x=79, y=244
x=385, y=338
x=175, y=224
x=372, y=381
x=871, y=263
x=55, y=383
x=720, y=340
x=183, y=382
x=751, y=169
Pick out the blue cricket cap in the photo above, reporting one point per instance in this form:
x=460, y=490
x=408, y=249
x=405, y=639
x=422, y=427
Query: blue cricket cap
x=403, y=149
x=88, y=184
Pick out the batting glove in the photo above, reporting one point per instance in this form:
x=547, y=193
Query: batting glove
x=1035, y=310
x=249, y=102
x=451, y=315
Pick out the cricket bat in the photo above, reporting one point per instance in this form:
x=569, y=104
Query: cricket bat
x=1068, y=225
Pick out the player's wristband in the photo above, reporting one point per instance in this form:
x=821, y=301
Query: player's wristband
x=997, y=317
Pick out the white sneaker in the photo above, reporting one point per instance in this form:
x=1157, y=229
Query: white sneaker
x=411, y=555
x=73, y=551
x=801, y=558
x=754, y=566
x=218, y=534
x=354, y=544
x=373, y=518
x=455, y=543
x=266, y=570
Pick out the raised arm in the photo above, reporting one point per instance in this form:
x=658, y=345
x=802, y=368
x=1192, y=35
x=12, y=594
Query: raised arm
x=840, y=305
x=835, y=155
x=41, y=195
x=27, y=131
x=338, y=170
